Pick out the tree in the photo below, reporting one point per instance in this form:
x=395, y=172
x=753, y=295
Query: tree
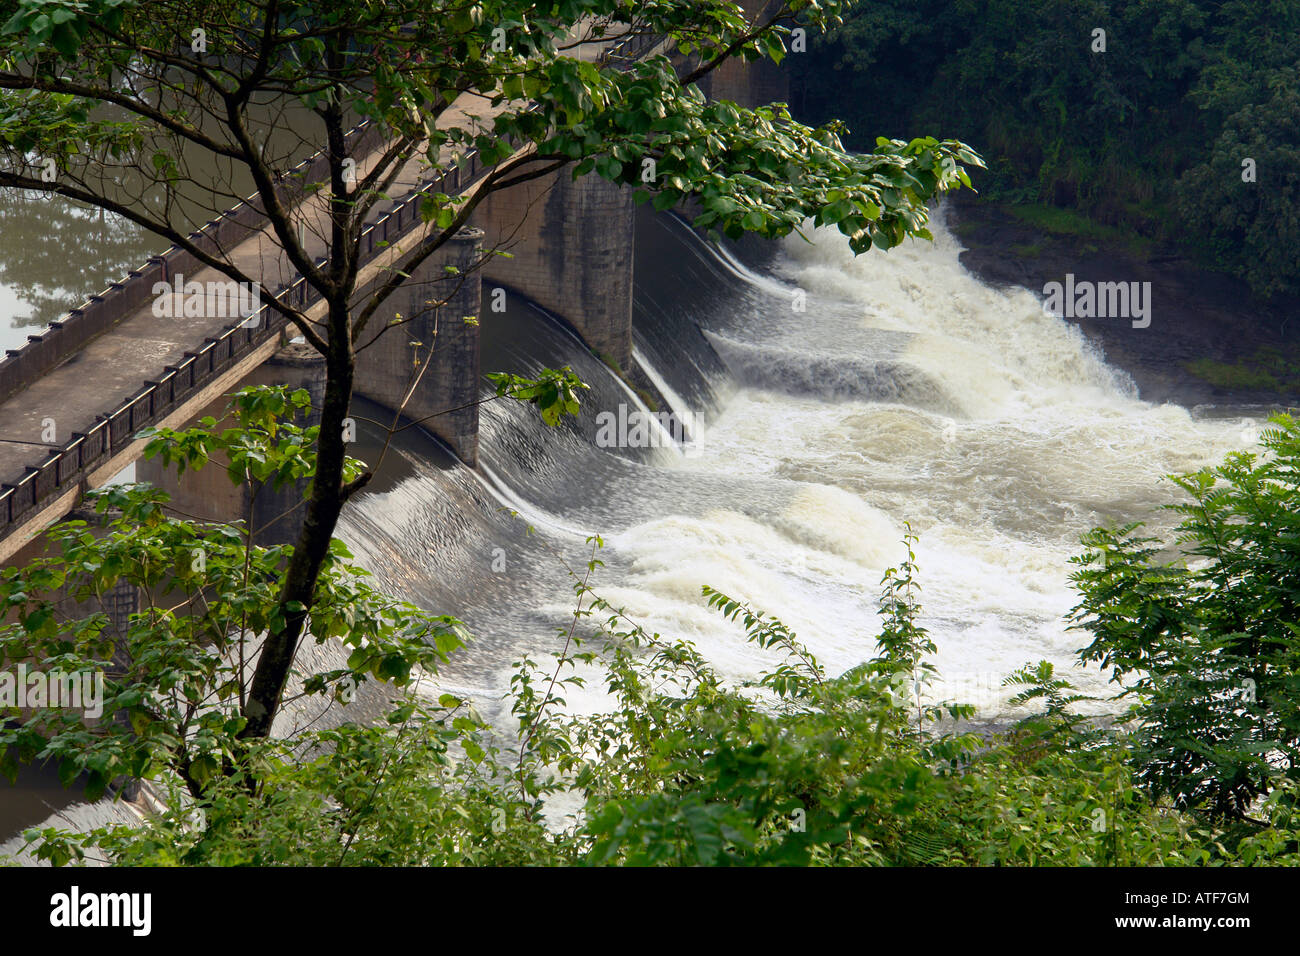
x=1152, y=135
x=159, y=94
x=1207, y=646
x=1242, y=201
x=173, y=684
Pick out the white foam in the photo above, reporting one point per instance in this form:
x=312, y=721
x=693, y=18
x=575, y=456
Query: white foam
x=1048, y=441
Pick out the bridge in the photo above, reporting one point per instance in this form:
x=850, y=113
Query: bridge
x=73, y=399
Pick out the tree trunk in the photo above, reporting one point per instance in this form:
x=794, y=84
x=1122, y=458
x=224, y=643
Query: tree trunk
x=323, y=508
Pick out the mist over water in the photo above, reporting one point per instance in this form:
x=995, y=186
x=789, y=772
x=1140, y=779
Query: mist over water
x=905, y=392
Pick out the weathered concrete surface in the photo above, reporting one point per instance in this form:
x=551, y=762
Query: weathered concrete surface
x=427, y=367
x=571, y=242
x=571, y=246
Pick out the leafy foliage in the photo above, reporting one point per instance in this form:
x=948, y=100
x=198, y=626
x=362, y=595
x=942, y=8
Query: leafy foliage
x=554, y=392
x=793, y=766
x=162, y=113
x=402, y=64
x=682, y=765
x=1207, y=647
x=175, y=674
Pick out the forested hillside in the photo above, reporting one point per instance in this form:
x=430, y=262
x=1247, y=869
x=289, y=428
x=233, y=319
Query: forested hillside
x=1148, y=125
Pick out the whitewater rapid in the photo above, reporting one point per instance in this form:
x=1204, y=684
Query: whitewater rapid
x=904, y=392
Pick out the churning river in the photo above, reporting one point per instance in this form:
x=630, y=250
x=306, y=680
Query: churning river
x=841, y=399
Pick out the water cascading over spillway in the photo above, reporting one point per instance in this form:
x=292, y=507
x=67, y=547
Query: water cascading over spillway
x=905, y=392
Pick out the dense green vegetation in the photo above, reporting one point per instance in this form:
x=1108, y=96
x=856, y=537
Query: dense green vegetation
x=1149, y=135
x=1197, y=764
x=1268, y=368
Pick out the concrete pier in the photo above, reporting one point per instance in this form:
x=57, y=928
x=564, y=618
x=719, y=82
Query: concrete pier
x=570, y=244
x=752, y=84
x=428, y=366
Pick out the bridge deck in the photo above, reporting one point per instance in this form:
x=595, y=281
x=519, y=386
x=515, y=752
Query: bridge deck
x=113, y=368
